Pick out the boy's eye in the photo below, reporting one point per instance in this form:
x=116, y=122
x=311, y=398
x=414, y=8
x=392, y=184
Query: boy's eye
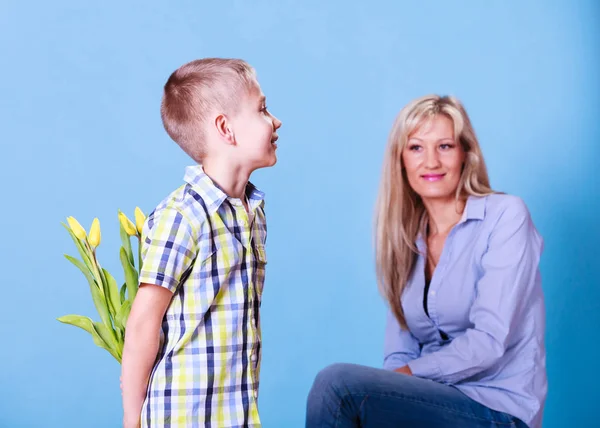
x=264, y=109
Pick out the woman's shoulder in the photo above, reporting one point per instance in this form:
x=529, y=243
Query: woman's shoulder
x=505, y=205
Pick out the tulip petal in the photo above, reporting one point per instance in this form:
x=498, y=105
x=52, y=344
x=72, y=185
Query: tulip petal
x=140, y=218
x=77, y=228
x=95, y=235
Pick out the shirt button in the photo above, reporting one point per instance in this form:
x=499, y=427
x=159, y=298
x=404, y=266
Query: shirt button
x=253, y=357
x=433, y=293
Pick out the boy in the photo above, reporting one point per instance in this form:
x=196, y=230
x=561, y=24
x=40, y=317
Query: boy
x=192, y=346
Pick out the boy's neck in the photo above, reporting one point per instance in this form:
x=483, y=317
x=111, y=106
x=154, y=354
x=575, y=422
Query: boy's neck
x=232, y=180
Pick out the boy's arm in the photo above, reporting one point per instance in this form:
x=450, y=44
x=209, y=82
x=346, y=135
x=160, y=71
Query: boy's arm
x=142, y=334
x=169, y=246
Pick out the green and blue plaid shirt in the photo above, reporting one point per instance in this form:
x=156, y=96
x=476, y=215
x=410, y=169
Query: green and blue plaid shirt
x=202, y=245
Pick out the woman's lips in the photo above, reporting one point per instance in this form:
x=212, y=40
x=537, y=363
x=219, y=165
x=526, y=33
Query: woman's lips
x=433, y=177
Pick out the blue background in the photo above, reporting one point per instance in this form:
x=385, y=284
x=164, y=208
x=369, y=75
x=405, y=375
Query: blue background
x=80, y=87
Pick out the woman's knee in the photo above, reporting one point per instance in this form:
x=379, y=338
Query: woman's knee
x=328, y=388
x=333, y=379
x=334, y=374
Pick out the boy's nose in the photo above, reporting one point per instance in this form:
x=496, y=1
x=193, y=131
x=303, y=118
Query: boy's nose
x=276, y=123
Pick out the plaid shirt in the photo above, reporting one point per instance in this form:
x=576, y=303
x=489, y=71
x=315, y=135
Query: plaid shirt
x=200, y=244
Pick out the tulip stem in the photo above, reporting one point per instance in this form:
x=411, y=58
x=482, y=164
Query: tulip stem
x=101, y=286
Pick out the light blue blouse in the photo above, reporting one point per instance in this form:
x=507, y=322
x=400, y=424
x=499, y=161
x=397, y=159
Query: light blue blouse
x=486, y=296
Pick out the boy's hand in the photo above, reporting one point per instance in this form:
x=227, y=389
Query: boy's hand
x=135, y=423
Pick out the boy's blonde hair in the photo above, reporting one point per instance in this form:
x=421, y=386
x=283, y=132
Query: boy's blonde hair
x=198, y=88
x=400, y=213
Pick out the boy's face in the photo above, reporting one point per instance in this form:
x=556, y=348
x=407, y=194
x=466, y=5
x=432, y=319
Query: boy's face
x=255, y=130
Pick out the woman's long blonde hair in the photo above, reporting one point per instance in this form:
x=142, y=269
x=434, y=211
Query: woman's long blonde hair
x=400, y=212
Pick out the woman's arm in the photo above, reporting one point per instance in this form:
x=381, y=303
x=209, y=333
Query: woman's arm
x=400, y=345
x=510, y=275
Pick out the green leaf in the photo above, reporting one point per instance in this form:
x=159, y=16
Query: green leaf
x=100, y=303
x=103, y=339
x=83, y=251
x=97, y=293
x=93, y=328
x=122, y=293
x=111, y=289
x=106, y=335
x=131, y=275
x=82, y=267
x=80, y=321
x=125, y=239
x=123, y=314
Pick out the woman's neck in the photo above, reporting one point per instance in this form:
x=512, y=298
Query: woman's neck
x=443, y=214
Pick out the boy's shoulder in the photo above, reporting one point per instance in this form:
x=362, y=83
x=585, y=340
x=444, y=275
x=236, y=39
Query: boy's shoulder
x=185, y=201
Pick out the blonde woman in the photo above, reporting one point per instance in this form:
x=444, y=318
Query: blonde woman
x=458, y=265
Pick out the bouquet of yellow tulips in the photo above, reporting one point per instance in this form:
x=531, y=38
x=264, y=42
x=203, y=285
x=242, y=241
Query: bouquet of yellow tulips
x=112, y=302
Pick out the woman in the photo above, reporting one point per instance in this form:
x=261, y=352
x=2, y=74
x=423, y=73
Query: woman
x=458, y=264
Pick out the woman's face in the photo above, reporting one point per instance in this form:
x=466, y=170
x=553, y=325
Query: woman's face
x=433, y=160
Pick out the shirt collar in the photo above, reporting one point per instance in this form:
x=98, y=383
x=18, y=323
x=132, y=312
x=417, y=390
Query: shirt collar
x=474, y=210
x=212, y=194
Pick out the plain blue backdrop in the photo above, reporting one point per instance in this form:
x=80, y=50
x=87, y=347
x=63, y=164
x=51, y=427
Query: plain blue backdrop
x=80, y=87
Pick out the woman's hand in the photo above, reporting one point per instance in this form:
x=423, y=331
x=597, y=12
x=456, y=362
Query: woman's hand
x=404, y=370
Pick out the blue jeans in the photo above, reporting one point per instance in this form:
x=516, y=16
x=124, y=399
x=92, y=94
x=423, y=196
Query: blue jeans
x=348, y=395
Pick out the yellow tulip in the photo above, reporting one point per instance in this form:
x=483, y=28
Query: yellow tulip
x=127, y=224
x=95, y=235
x=76, y=228
x=140, y=218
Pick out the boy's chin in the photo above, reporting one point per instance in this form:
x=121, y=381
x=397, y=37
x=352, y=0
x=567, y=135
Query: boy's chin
x=269, y=162
x=265, y=163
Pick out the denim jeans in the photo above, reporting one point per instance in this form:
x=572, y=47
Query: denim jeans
x=348, y=395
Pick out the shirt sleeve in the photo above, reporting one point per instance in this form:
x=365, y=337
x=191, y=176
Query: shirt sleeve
x=510, y=272
x=168, y=248
x=400, y=345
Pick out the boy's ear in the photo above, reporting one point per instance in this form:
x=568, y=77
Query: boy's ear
x=223, y=127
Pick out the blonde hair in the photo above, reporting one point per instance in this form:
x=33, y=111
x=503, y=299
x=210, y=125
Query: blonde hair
x=400, y=213
x=197, y=88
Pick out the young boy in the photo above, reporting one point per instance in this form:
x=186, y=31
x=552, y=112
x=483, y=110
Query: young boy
x=193, y=344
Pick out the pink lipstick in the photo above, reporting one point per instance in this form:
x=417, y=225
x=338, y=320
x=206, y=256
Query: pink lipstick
x=433, y=177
